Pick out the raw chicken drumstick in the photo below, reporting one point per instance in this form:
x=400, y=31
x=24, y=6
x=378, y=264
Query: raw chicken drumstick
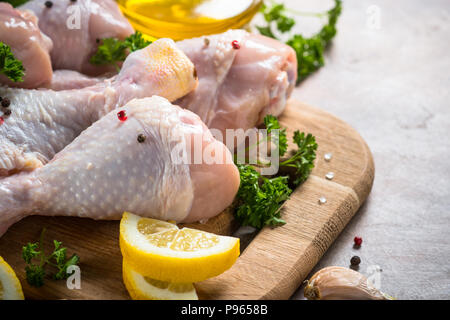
x=75, y=26
x=43, y=122
x=19, y=30
x=242, y=78
x=238, y=87
x=132, y=165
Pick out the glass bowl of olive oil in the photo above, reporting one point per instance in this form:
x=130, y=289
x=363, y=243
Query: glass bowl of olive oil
x=182, y=19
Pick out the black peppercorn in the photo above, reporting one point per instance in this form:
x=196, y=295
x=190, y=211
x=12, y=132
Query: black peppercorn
x=7, y=112
x=141, y=138
x=5, y=102
x=355, y=261
x=48, y=4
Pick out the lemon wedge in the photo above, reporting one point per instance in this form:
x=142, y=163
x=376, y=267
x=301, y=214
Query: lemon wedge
x=10, y=288
x=144, y=288
x=161, y=251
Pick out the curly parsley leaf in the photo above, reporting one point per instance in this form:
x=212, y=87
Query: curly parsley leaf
x=9, y=65
x=35, y=275
x=136, y=41
x=276, y=13
x=35, y=272
x=63, y=265
x=309, y=51
x=259, y=199
x=113, y=50
x=303, y=159
x=29, y=252
x=110, y=51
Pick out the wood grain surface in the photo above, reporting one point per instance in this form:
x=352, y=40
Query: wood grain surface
x=272, y=266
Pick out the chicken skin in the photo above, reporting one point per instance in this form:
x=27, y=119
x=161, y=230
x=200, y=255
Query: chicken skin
x=43, y=122
x=141, y=164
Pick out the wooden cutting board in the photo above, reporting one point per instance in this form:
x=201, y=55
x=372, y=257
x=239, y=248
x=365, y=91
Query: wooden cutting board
x=275, y=262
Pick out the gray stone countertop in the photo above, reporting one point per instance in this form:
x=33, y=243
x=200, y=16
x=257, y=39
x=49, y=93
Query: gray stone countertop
x=387, y=74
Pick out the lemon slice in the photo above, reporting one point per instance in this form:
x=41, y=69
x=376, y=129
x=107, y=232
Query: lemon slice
x=10, y=288
x=161, y=251
x=144, y=288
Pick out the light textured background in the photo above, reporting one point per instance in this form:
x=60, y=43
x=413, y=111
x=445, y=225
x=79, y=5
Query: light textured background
x=392, y=84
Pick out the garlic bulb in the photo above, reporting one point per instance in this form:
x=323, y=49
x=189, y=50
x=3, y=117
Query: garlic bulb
x=338, y=283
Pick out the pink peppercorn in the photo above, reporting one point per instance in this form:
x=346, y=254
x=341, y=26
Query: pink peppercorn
x=122, y=115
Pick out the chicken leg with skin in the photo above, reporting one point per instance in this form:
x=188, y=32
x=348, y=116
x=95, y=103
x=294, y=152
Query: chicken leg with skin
x=107, y=170
x=238, y=87
x=43, y=122
x=75, y=28
x=242, y=78
x=19, y=30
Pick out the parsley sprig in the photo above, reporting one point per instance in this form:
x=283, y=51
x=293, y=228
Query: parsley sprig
x=272, y=123
x=9, y=65
x=259, y=199
x=303, y=158
x=113, y=50
x=310, y=50
x=35, y=272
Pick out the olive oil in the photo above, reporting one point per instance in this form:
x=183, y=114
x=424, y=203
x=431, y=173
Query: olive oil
x=181, y=19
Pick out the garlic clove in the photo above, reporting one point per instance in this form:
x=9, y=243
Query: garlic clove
x=339, y=283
